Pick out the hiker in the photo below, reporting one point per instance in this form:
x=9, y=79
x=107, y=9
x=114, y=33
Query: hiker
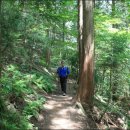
x=63, y=73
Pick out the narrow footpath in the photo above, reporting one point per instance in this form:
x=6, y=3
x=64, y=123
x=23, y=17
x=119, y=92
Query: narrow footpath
x=61, y=113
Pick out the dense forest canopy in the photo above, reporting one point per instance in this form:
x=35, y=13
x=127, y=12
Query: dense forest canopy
x=36, y=35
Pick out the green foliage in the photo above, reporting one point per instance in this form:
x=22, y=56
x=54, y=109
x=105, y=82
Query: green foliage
x=43, y=82
x=22, y=98
x=74, y=64
x=30, y=28
x=32, y=108
x=112, y=58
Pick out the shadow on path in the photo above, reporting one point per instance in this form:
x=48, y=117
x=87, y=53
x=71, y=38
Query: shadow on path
x=60, y=113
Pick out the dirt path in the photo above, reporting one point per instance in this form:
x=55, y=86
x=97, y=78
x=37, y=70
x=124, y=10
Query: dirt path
x=60, y=113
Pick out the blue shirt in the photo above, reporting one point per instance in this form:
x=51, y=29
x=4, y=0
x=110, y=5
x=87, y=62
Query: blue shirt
x=63, y=71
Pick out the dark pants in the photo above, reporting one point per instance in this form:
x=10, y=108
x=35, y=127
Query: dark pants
x=63, y=82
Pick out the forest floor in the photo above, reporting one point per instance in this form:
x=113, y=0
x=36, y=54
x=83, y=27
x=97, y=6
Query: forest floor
x=60, y=112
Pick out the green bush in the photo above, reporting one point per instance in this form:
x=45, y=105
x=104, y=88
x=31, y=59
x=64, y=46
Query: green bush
x=19, y=97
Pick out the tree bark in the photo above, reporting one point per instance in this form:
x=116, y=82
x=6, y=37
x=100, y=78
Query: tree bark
x=114, y=68
x=63, y=35
x=48, y=56
x=0, y=38
x=80, y=27
x=86, y=81
x=113, y=12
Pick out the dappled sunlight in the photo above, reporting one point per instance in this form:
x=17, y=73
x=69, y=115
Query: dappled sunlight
x=61, y=114
x=61, y=97
x=113, y=30
x=41, y=117
x=48, y=106
x=52, y=102
x=51, y=106
x=64, y=123
x=71, y=81
x=64, y=64
x=46, y=70
x=66, y=111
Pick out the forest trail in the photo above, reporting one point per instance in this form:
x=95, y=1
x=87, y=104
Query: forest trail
x=61, y=113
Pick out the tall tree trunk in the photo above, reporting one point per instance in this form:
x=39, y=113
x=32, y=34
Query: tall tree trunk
x=24, y=10
x=0, y=38
x=80, y=28
x=113, y=11
x=48, y=56
x=114, y=67
x=48, y=51
x=86, y=81
x=63, y=35
x=110, y=94
x=24, y=34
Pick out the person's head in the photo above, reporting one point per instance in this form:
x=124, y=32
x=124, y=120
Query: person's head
x=62, y=63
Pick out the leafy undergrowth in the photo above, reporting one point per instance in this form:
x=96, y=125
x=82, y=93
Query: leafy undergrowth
x=21, y=98
x=110, y=114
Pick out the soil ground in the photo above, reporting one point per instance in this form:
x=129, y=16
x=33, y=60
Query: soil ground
x=61, y=113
